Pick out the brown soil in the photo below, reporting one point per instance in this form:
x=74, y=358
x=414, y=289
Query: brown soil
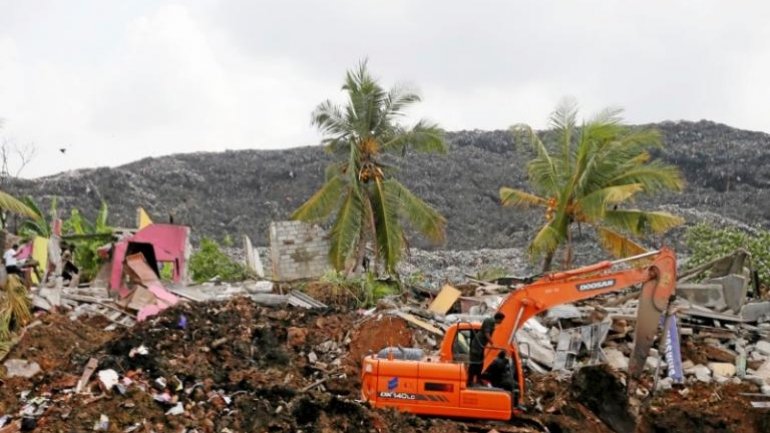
x=706, y=409
x=61, y=347
x=377, y=333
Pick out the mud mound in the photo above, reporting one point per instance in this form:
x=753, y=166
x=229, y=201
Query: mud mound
x=377, y=333
x=558, y=409
x=706, y=409
x=60, y=346
x=599, y=388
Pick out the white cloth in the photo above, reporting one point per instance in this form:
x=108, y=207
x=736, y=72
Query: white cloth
x=10, y=257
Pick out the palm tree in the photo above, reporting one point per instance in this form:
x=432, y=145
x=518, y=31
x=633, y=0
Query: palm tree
x=368, y=204
x=585, y=174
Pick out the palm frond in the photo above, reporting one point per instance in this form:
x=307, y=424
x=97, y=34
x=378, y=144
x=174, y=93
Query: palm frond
x=389, y=231
x=654, y=176
x=30, y=203
x=594, y=205
x=546, y=241
x=618, y=245
x=542, y=170
x=420, y=215
x=14, y=205
x=321, y=204
x=329, y=118
x=517, y=197
x=397, y=99
x=638, y=222
x=563, y=121
x=424, y=137
x=346, y=230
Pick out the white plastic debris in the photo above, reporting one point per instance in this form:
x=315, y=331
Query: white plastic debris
x=103, y=424
x=108, y=378
x=141, y=350
x=176, y=410
x=21, y=368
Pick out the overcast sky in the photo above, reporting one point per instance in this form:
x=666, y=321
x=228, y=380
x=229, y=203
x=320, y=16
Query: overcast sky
x=115, y=81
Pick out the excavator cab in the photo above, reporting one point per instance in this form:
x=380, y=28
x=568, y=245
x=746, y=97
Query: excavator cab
x=461, y=347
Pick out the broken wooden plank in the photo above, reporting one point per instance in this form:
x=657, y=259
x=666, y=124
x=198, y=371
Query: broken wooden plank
x=445, y=300
x=87, y=373
x=190, y=293
x=417, y=322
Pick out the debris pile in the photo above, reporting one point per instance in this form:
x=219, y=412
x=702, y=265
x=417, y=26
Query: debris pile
x=209, y=367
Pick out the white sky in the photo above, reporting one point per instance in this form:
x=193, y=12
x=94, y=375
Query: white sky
x=114, y=81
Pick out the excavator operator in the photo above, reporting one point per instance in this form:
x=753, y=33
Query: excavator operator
x=478, y=346
x=499, y=373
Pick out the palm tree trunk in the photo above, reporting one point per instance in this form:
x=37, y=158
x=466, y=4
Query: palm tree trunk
x=547, y=261
x=568, y=250
x=361, y=251
x=373, y=233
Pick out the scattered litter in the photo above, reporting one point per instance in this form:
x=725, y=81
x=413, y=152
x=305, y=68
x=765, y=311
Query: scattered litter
x=108, y=378
x=21, y=368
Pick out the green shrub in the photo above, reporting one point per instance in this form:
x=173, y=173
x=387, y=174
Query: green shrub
x=209, y=262
x=366, y=289
x=706, y=243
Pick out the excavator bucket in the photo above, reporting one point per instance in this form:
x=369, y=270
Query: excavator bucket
x=654, y=300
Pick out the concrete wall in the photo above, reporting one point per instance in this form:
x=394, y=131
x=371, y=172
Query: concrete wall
x=297, y=250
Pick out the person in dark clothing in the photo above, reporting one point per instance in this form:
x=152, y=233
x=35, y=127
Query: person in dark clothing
x=69, y=270
x=499, y=372
x=478, y=345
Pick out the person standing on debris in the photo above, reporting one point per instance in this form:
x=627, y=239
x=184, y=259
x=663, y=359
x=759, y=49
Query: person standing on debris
x=69, y=270
x=478, y=345
x=11, y=262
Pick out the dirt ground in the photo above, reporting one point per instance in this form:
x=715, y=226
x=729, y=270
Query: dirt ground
x=234, y=366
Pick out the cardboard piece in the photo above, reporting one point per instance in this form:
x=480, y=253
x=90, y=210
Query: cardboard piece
x=149, y=297
x=142, y=218
x=139, y=270
x=139, y=299
x=445, y=300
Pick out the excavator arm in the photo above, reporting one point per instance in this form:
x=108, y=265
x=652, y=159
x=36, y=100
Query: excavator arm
x=658, y=280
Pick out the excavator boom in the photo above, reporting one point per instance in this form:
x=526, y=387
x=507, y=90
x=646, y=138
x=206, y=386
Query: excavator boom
x=658, y=281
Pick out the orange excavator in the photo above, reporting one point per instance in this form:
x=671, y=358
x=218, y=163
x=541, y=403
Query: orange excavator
x=406, y=380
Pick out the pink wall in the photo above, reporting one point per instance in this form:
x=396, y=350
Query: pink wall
x=169, y=242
